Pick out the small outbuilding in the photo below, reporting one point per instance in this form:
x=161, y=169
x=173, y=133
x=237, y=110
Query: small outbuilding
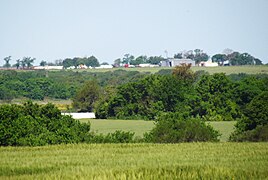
x=172, y=62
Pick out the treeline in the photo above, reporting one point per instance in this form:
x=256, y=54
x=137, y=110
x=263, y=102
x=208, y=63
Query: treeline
x=214, y=97
x=37, y=85
x=37, y=125
x=181, y=101
x=228, y=56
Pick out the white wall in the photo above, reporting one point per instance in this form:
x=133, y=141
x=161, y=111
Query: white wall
x=81, y=115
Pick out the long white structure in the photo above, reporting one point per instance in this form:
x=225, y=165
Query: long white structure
x=81, y=115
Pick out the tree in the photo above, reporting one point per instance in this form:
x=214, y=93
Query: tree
x=7, y=64
x=27, y=61
x=127, y=58
x=43, y=63
x=184, y=73
x=237, y=58
x=18, y=63
x=104, y=63
x=155, y=59
x=68, y=62
x=253, y=126
x=178, y=56
x=174, y=128
x=138, y=60
x=117, y=62
x=214, y=100
x=35, y=125
x=92, y=61
x=256, y=112
x=219, y=58
x=86, y=97
x=200, y=56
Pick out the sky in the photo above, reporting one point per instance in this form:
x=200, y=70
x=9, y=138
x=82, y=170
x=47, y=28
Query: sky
x=57, y=29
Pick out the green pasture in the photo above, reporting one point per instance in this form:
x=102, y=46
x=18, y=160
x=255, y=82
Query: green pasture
x=225, y=69
x=140, y=127
x=136, y=161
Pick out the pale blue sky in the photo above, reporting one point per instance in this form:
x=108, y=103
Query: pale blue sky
x=108, y=29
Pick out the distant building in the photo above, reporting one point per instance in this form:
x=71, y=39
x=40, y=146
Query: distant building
x=208, y=63
x=47, y=67
x=172, y=62
x=104, y=67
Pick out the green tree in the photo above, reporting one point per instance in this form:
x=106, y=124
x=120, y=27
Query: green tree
x=92, y=61
x=86, y=97
x=155, y=59
x=127, y=58
x=138, y=60
x=43, y=63
x=178, y=56
x=35, y=125
x=27, y=61
x=174, y=128
x=256, y=113
x=7, y=60
x=219, y=58
x=214, y=100
x=18, y=63
x=117, y=62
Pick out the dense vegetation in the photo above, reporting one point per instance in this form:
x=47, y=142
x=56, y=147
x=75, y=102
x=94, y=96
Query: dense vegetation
x=56, y=84
x=35, y=125
x=119, y=94
x=214, y=97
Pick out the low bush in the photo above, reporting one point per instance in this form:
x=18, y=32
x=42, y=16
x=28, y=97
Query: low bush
x=259, y=134
x=116, y=137
x=174, y=128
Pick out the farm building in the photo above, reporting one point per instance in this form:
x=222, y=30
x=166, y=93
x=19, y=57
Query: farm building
x=48, y=67
x=208, y=63
x=172, y=62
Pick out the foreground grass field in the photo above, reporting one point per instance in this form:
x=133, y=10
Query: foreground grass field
x=140, y=127
x=136, y=161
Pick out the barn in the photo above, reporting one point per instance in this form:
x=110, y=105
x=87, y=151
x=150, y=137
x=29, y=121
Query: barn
x=172, y=62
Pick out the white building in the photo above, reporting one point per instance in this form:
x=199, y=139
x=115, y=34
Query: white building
x=208, y=63
x=172, y=62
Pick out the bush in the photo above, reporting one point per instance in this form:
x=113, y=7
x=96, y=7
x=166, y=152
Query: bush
x=116, y=137
x=260, y=134
x=35, y=125
x=174, y=128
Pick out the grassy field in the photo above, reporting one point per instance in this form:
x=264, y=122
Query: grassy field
x=140, y=127
x=225, y=69
x=136, y=161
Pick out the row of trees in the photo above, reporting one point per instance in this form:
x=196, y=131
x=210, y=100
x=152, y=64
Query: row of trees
x=198, y=55
x=56, y=84
x=213, y=97
x=130, y=59
x=91, y=61
x=26, y=62
x=229, y=56
x=36, y=125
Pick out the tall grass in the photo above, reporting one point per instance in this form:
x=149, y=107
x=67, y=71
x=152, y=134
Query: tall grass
x=136, y=161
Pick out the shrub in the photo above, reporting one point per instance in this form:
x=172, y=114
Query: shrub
x=35, y=125
x=256, y=135
x=174, y=128
x=116, y=137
